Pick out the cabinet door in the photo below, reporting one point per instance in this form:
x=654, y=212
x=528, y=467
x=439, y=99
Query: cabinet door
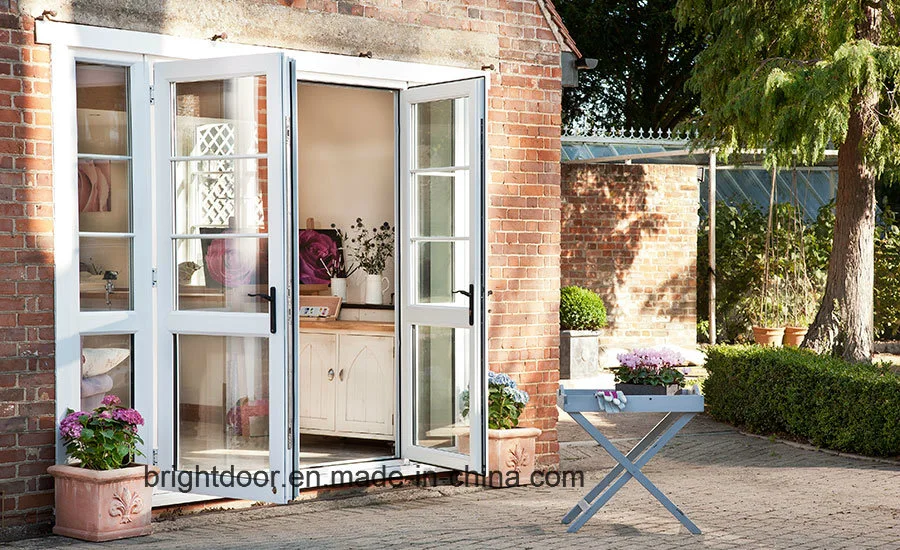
x=318, y=380
x=365, y=396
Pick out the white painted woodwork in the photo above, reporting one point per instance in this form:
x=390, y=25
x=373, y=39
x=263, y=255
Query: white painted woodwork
x=318, y=354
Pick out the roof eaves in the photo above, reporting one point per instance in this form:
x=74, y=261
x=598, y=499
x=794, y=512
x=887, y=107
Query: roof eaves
x=559, y=28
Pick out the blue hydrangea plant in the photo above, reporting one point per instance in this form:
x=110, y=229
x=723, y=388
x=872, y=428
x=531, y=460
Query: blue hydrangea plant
x=505, y=402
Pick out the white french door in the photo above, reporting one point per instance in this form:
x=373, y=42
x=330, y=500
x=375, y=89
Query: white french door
x=441, y=255
x=222, y=161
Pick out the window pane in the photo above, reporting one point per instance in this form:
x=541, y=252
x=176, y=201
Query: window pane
x=105, y=273
x=223, y=402
x=106, y=369
x=220, y=194
x=217, y=274
x=442, y=268
x=221, y=117
x=440, y=133
x=441, y=386
x=441, y=204
x=102, y=109
x=104, y=196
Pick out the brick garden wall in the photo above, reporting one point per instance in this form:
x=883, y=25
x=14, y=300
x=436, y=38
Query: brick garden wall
x=523, y=191
x=629, y=232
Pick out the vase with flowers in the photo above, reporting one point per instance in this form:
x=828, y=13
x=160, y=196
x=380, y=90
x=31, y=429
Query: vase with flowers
x=510, y=448
x=103, y=495
x=650, y=372
x=371, y=248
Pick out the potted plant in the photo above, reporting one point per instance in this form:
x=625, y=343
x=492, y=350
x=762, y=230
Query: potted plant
x=581, y=315
x=767, y=315
x=650, y=372
x=104, y=496
x=337, y=268
x=372, y=248
x=510, y=448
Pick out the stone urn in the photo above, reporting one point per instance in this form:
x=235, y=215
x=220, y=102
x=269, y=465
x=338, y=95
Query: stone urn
x=579, y=354
x=510, y=456
x=102, y=505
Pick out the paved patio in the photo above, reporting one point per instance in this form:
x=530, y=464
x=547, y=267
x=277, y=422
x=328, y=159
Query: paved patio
x=744, y=492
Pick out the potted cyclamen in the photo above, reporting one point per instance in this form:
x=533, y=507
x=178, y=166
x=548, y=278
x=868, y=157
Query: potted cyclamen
x=510, y=448
x=104, y=496
x=371, y=248
x=650, y=372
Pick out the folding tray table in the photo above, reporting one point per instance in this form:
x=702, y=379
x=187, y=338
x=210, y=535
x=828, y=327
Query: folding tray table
x=680, y=410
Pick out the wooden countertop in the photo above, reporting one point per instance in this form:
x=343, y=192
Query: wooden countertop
x=310, y=325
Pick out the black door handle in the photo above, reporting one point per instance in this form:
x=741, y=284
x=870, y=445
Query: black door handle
x=471, y=295
x=270, y=297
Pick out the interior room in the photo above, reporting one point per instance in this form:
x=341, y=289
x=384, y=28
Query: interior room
x=346, y=369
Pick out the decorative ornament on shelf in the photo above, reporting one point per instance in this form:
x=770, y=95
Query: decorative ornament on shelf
x=371, y=248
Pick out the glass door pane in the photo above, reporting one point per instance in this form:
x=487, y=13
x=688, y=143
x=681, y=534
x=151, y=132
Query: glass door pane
x=442, y=274
x=223, y=370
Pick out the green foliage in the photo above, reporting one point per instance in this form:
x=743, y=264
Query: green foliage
x=643, y=64
x=835, y=404
x=505, y=402
x=104, y=439
x=580, y=309
x=780, y=76
x=370, y=247
x=887, y=276
x=797, y=268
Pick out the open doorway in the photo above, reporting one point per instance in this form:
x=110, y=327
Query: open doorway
x=346, y=369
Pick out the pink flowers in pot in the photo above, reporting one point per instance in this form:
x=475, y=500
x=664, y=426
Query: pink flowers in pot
x=654, y=367
x=105, y=438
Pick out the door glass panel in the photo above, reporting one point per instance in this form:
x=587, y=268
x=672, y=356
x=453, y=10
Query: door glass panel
x=106, y=369
x=442, y=204
x=443, y=267
x=104, y=195
x=439, y=141
x=220, y=193
x=223, y=402
x=441, y=386
x=105, y=273
x=102, y=109
x=220, y=117
x=217, y=274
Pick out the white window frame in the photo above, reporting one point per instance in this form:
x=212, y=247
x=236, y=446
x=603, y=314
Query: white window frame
x=70, y=42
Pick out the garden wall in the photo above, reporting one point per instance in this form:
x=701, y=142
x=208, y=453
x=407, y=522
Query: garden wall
x=629, y=232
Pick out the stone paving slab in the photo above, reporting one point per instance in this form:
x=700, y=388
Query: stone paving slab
x=744, y=492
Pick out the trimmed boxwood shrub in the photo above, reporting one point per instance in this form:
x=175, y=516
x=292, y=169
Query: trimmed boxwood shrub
x=832, y=403
x=580, y=309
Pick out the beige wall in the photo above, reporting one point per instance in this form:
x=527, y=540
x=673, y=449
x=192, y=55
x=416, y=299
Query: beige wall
x=346, y=146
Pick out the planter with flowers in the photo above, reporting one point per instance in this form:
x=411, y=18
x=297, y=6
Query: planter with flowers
x=371, y=248
x=510, y=448
x=650, y=372
x=104, y=496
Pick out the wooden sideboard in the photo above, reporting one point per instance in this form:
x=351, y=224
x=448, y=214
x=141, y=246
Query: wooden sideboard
x=347, y=379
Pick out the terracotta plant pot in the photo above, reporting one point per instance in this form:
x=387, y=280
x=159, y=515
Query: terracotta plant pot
x=101, y=505
x=510, y=457
x=646, y=389
x=765, y=336
x=793, y=336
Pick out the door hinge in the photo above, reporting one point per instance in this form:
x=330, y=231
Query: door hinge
x=392, y=419
x=287, y=126
x=152, y=96
x=155, y=457
x=290, y=437
x=153, y=277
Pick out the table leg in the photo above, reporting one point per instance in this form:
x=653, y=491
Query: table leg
x=633, y=470
x=632, y=455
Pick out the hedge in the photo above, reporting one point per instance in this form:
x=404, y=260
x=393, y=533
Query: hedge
x=832, y=403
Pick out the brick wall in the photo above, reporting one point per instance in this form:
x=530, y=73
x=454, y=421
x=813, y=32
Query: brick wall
x=523, y=204
x=26, y=275
x=629, y=232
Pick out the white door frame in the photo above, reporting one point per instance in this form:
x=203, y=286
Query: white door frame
x=173, y=322
x=141, y=50
x=470, y=318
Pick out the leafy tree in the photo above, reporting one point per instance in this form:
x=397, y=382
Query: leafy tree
x=643, y=64
x=797, y=77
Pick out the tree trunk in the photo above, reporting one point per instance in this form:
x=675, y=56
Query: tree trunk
x=844, y=324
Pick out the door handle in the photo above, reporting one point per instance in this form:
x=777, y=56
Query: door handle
x=471, y=295
x=330, y=375
x=341, y=375
x=270, y=297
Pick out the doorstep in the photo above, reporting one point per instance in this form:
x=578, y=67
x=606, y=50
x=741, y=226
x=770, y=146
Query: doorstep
x=230, y=511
